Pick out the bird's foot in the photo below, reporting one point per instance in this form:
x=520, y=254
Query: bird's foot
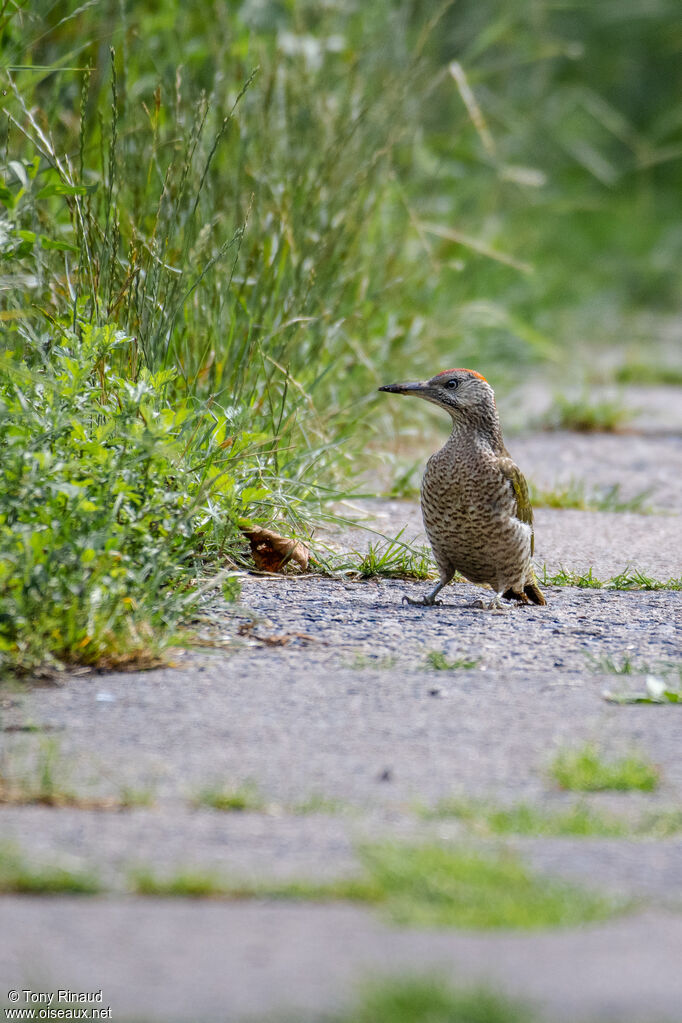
x=490, y=605
x=422, y=602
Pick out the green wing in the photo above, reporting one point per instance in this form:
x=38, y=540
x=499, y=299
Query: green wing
x=524, y=510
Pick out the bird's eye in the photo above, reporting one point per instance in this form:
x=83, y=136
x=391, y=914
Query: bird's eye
x=451, y=384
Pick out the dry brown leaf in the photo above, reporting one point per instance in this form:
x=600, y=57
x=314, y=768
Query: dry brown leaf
x=272, y=552
x=285, y=638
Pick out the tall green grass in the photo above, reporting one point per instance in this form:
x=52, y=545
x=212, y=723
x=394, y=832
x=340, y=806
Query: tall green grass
x=221, y=225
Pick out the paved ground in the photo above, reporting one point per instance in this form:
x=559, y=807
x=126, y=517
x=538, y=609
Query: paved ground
x=323, y=693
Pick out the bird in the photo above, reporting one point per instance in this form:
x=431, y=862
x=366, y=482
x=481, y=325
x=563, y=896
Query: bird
x=474, y=498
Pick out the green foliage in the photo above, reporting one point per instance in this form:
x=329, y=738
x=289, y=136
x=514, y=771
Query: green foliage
x=185, y=884
x=276, y=204
x=575, y=495
x=17, y=875
x=431, y=1000
x=227, y=800
x=390, y=558
x=104, y=504
x=579, y=820
x=437, y=660
x=583, y=770
x=421, y=885
x=431, y=885
x=657, y=692
x=586, y=416
x=649, y=374
x=628, y=579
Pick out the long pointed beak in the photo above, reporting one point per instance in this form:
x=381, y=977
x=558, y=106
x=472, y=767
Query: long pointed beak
x=415, y=387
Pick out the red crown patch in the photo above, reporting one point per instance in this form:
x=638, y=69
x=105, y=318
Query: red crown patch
x=446, y=372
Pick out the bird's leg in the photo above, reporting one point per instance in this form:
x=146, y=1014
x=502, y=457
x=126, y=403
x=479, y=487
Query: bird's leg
x=496, y=603
x=492, y=605
x=430, y=599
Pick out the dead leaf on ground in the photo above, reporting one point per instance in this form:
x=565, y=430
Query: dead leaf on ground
x=285, y=638
x=272, y=552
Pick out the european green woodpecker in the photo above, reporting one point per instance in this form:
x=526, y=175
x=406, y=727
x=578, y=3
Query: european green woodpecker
x=474, y=498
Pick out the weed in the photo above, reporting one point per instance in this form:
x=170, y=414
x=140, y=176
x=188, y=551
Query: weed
x=608, y=665
x=135, y=798
x=261, y=249
x=19, y=876
x=584, y=580
x=201, y=884
x=578, y=820
x=624, y=665
x=649, y=373
x=657, y=692
x=244, y=797
x=628, y=579
x=431, y=1000
x=424, y=885
x=317, y=803
x=583, y=770
x=430, y=885
x=101, y=507
x=45, y=784
x=389, y=558
x=585, y=416
x=574, y=495
x=437, y=660
x=184, y=884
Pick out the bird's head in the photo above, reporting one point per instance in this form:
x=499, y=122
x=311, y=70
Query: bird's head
x=463, y=393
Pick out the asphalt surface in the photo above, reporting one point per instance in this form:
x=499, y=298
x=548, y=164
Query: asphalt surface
x=322, y=699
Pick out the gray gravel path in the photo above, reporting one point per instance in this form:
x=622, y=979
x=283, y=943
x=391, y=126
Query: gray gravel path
x=322, y=691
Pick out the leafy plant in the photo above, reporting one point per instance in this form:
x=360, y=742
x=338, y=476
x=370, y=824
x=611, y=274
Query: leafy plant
x=105, y=504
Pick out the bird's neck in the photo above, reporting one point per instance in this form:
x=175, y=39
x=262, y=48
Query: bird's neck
x=482, y=430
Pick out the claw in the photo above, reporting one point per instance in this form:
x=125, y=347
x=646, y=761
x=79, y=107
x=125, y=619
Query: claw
x=423, y=602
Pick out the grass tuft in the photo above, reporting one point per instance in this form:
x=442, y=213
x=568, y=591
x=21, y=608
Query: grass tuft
x=389, y=558
x=583, y=770
x=430, y=885
x=19, y=876
x=628, y=579
x=574, y=495
x=227, y=800
x=585, y=416
x=431, y=1000
x=437, y=660
x=649, y=373
x=420, y=885
x=579, y=820
x=184, y=884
